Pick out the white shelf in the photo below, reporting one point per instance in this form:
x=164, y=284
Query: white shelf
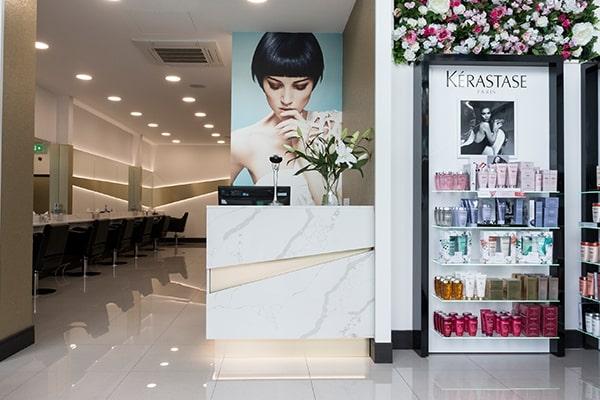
x=497, y=228
x=480, y=264
x=500, y=193
x=591, y=263
x=589, y=225
x=495, y=337
x=588, y=334
x=493, y=301
x=590, y=299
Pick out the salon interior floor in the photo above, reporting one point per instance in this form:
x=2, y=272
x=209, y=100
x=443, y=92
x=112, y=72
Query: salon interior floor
x=140, y=335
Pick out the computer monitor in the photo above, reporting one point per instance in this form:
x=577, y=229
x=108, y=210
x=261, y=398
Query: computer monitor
x=252, y=195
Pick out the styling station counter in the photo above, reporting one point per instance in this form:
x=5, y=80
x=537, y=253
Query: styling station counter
x=290, y=272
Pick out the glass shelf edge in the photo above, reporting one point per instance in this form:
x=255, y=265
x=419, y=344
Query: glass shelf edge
x=492, y=264
x=493, y=301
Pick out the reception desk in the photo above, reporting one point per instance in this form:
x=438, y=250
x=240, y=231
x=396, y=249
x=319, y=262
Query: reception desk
x=290, y=272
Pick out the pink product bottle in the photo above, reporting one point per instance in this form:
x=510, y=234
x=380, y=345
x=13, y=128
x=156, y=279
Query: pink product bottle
x=504, y=325
x=472, y=328
x=459, y=325
x=463, y=182
x=517, y=323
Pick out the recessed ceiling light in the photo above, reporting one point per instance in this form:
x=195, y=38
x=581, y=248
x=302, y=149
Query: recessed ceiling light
x=209, y=126
x=83, y=77
x=200, y=114
x=172, y=78
x=174, y=349
x=151, y=385
x=164, y=364
x=166, y=134
x=257, y=1
x=153, y=125
x=135, y=114
x=188, y=99
x=41, y=46
x=215, y=134
x=220, y=141
x=114, y=98
x=176, y=141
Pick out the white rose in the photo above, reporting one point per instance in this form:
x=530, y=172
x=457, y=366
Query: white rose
x=577, y=52
x=460, y=9
x=542, y=22
x=411, y=22
x=423, y=10
x=439, y=6
x=410, y=55
x=451, y=27
x=550, y=48
x=398, y=33
x=583, y=32
x=470, y=43
x=596, y=47
x=421, y=22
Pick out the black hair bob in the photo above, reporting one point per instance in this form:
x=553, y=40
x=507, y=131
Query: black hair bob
x=288, y=54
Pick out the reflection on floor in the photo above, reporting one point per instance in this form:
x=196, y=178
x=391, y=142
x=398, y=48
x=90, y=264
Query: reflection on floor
x=139, y=334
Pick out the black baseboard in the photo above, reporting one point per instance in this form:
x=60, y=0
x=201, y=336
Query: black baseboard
x=381, y=353
x=403, y=340
x=183, y=240
x=16, y=342
x=573, y=339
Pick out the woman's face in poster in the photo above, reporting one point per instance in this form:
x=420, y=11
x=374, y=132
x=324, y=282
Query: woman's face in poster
x=486, y=114
x=287, y=93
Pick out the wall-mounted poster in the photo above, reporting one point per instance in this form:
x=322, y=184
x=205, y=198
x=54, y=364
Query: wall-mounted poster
x=487, y=128
x=283, y=83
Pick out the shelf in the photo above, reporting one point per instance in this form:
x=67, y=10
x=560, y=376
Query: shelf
x=493, y=301
x=477, y=264
x=500, y=193
x=590, y=299
x=591, y=192
x=482, y=337
x=496, y=228
x=591, y=263
x=589, y=225
x=588, y=334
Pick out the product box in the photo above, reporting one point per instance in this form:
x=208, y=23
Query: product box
x=552, y=288
x=539, y=213
x=518, y=212
x=551, y=211
x=531, y=288
x=542, y=288
x=456, y=247
x=534, y=247
x=494, y=289
x=549, y=180
x=498, y=247
x=527, y=176
x=512, y=289
x=549, y=321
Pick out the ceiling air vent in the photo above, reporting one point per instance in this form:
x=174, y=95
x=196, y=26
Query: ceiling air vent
x=189, y=52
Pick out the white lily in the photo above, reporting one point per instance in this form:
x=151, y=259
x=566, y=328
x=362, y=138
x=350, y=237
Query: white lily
x=344, y=155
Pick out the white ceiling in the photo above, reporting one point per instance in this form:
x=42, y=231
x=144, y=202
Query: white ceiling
x=95, y=37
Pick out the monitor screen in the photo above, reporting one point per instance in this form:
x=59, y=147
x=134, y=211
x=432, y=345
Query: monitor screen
x=252, y=195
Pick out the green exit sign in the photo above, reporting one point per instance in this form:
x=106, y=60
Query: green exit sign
x=39, y=148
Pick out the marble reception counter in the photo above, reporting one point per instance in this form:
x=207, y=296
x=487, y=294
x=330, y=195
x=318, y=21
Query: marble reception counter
x=290, y=272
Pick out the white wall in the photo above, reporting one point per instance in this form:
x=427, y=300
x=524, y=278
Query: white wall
x=179, y=164
x=45, y=114
x=174, y=165
x=86, y=200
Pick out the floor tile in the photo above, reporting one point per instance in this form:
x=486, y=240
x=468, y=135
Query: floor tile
x=348, y=368
x=410, y=359
x=263, y=368
x=264, y=389
x=363, y=389
x=186, y=358
x=165, y=385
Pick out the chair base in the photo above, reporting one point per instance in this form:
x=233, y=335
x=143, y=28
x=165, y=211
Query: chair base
x=44, y=291
x=80, y=274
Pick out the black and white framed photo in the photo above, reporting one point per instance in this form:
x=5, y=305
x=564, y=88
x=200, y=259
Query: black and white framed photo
x=487, y=128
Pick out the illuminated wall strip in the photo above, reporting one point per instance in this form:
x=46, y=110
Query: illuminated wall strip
x=94, y=192
x=184, y=200
x=173, y=194
x=225, y=178
x=116, y=190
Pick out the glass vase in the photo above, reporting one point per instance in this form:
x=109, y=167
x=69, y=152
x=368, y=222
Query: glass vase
x=331, y=196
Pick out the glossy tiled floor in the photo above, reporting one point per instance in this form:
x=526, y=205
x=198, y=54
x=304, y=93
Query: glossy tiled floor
x=140, y=335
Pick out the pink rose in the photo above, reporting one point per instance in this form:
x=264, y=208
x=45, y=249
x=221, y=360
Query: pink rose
x=477, y=29
x=443, y=34
x=520, y=47
x=498, y=13
x=454, y=3
x=566, y=54
x=410, y=37
x=409, y=5
x=429, y=31
x=566, y=23
x=539, y=7
x=477, y=49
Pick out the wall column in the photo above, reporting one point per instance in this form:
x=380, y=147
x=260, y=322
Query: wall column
x=61, y=176
x=135, y=188
x=17, y=83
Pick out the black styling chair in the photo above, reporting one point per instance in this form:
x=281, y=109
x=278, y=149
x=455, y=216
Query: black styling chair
x=50, y=248
x=159, y=230
x=177, y=226
x=142, y=235
x=87, y=245
x=119, y=241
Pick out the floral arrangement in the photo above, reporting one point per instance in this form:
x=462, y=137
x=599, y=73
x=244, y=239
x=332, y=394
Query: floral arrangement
x=330, y=156
x=569, y=28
